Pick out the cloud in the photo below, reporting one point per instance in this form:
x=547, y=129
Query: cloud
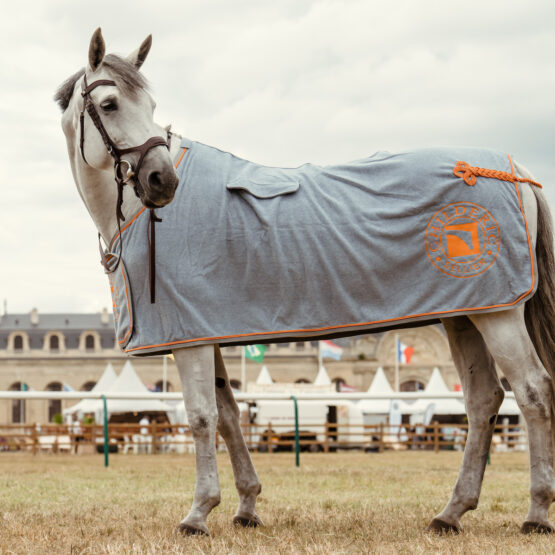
x=280, y=83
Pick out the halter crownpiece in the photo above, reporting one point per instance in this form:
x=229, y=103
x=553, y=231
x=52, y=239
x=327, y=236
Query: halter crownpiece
x=120, y=177
x=115, y=152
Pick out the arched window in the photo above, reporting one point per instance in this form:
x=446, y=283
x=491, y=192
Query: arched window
x=89, y=342
x=18, y=343
x=235, y=384
x=88, y=386
x=412, y=385
x=54, y=405
x=299, y=345
x=54, y=343
x=18, y=405
x=302, y=380
x=338, y=383
x=160, y=385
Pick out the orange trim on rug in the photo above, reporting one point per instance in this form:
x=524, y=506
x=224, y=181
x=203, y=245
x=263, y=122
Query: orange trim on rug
x=530, y=249
x=129, y=308
x=511, y=177
x=143, y=208
x=126, y=226
x=469, y=173
x=181, y=158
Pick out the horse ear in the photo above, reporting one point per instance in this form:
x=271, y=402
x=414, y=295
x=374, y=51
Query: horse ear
x=97, y=49
x=137, y=57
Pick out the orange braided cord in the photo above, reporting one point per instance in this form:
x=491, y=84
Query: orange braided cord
x=469, y=173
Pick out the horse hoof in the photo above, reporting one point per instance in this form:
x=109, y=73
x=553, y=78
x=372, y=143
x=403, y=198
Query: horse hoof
x=190, y=530
x=537, y=528
x=441, y=527
x=247, y=521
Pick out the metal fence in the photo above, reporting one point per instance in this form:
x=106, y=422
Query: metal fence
x=165, y=438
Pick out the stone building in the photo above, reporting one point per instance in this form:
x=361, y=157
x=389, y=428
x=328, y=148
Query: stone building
x=60, y=352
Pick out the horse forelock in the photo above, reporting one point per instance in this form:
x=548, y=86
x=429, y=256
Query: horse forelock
x=65, y=90
x=128, y=78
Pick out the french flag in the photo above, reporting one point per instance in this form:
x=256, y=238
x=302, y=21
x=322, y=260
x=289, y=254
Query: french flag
x=330, y=350
x=404, y=352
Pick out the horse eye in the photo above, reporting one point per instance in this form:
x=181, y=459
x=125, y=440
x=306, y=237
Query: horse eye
x=109, y=105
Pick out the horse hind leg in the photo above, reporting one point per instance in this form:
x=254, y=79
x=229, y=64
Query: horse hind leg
x=246, y=480
x=508, y=341
x=483, y=397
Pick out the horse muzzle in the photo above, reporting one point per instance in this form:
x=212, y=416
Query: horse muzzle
x=159, y=188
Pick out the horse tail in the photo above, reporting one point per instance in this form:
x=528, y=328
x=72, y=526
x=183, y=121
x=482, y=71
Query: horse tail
x=539, y=312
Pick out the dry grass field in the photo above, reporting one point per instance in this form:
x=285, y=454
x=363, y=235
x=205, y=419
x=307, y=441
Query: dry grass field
x=334, y=503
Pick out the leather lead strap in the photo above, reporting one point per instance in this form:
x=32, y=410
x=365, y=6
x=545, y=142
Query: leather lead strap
x=153, y=219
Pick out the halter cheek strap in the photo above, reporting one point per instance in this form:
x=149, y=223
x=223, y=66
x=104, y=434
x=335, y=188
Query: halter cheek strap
x=121, y=179
x=115, y=152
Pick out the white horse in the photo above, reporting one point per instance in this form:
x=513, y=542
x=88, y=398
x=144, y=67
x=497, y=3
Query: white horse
x=520, y=340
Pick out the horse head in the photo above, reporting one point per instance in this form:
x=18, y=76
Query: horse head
x=109, y=127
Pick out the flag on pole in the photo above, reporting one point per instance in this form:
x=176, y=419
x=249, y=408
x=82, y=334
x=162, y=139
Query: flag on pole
x=404, y=352
x=346, y=388
x=256, y=352
x=330, y=350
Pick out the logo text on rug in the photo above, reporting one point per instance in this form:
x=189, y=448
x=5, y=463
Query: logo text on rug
x=462, y=239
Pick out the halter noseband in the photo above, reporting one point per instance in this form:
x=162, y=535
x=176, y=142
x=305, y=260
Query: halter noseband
x=121, y=180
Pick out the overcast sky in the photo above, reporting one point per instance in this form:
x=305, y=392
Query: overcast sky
x=279, y=82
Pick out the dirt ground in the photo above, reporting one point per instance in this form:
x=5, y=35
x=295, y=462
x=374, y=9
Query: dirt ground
x=334, y=503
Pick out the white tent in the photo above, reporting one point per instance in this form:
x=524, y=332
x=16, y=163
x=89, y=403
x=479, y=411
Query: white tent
x=378, y=410
x=102, y=386
x=322, y=378
x=437, y=386
x=264, y=377
x=509, y=407
x=129, y=382
x=126, y=382
x=379, y=386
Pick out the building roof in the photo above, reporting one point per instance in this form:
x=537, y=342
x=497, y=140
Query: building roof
x=60, y=322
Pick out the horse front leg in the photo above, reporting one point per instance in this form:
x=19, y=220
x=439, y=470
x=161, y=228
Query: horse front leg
x=246, y=480
x=483, y=396
x=197, y=374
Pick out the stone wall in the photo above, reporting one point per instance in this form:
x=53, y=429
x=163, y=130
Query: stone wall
x=361, y=358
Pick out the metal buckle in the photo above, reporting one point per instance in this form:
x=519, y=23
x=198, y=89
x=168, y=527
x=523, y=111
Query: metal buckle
x=128, y=174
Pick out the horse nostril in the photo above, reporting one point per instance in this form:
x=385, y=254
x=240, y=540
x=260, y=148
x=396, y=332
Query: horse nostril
x=155, y=180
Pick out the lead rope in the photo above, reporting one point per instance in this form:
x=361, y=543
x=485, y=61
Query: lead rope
x=152, y=221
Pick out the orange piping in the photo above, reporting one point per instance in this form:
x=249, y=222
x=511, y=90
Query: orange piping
x=130, y=312
x=512, y=179
x=180, y=158
x=340, y=326
x=530, y=250
x=143, y=208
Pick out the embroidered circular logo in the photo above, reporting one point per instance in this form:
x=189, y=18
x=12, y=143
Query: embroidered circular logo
x=462, y=239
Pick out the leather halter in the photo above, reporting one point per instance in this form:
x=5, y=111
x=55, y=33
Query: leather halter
x=121, y=180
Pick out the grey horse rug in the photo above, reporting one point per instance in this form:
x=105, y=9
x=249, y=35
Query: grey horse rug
x=252, y=254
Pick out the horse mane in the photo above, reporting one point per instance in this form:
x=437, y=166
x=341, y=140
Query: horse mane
x=125, y=73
